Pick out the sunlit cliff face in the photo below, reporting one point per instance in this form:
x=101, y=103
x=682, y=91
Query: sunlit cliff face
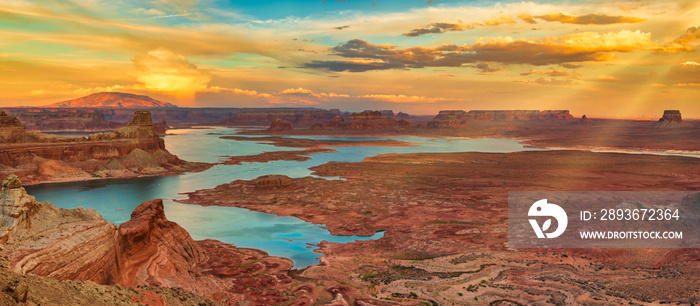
x=600, y=58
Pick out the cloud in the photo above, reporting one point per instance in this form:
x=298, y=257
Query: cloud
x=551, y=72
x=680, y=44
x=144, y=11
x=687, y=72
x=527, y=18
x=304, y=96
x=486, y=67
x=494, y=21
x=438, y=28
x=404, y=99
x=554, y=82
x=236, y=91
x=162, y=70
x=605, y=78
x=580, y=47
x=442, y=27
x=588, y=18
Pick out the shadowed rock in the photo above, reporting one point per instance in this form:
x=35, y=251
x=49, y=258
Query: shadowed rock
x=78, y=244
x=367, y=120
x=280, y=125
x=671, y=119
x=269, y=181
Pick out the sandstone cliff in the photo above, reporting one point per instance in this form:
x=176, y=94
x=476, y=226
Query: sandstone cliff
x=41, y=158
x=279, y=125
x=78, y=244
x=367, y=120
x=296, y=117
x=459, y=118
x=671, y=119
x=449, y=119
x=12, y=130
x=84, y=121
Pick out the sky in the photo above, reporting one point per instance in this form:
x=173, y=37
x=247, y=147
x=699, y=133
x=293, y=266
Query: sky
x=618, y=59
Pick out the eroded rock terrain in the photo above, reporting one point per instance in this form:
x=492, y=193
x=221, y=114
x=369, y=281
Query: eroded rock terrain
x=132, y=150
x=445, y=217
x=148, y=250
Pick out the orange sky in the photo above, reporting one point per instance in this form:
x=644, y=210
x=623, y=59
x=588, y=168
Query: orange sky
x=599, y=58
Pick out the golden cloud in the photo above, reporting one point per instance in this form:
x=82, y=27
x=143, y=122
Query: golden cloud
x=405, y=98
x=442, y=27
x=162, y=70
x=588, y=18
x=527, y=18
x=551, y=72
x=579, y=47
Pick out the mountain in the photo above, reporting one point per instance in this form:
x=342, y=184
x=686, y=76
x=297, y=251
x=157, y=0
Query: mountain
x=113, y=100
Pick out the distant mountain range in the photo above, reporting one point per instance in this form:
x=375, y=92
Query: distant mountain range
x=113, y=100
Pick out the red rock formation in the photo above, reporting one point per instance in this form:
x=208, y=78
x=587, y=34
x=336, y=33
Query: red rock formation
x=671, y=119
x=66, y=121
x=113, y=100
x=449, y=119
x=78, y=244
x=402, y=115
x=12, y=130
x=280, y=125
x=458, y=118
x=152, y=250
x=161, y=127
x=41, y=157
x=584, y=120
x=672, y=116
x=555, y=115
x=296, y=117
x=367, y=120
x=271, y=181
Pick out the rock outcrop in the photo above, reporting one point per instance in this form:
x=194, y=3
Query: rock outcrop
x=41, y=157
x=12, y=130
x=83, y=121
x=449, y=119
x=148, y=250
x=459, y=118
x=671, y=119
x=296, y=117
x=364, y=121
x=272, y=181
x=584, y=120
x=280, y=125
x=161, y=127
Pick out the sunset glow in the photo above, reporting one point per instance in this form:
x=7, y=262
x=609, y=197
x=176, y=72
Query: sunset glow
x=599, y=58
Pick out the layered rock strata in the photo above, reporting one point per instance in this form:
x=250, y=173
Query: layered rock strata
x=367, y=120
x=459, y=118
x=671, y=119
x=78, y=244
x=280, y=125
x=41, y=157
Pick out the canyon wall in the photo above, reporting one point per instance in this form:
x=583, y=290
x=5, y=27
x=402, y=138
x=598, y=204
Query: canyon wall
x=131, y=150
x=296, y=117
x=671, y=119
x=66, y=121
x=459, y=118
x=367, y=120
x=148, y=250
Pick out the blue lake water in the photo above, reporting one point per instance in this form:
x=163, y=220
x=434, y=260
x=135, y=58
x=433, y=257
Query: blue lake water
x=279, y=236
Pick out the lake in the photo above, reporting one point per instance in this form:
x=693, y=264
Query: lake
x=279, y=236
